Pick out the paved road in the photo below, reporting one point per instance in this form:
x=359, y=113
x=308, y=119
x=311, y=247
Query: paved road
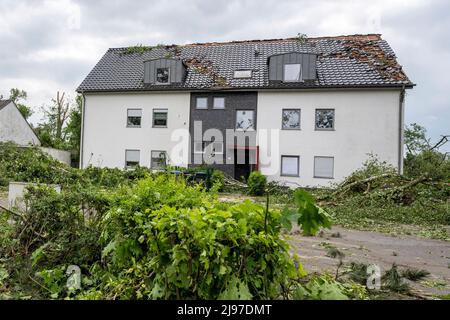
x=380, y=249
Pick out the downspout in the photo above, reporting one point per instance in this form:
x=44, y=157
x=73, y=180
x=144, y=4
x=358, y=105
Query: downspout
x=83, y=108
x=401, y=129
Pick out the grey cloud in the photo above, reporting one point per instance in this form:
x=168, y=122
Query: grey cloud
x=418, y=34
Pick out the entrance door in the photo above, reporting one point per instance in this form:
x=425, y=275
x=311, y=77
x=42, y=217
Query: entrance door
x=242, y=170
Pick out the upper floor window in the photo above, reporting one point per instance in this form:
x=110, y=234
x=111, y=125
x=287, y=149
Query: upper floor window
x=158, y=160
x=201, y=103
x=160, y=118
x=245, y=120
x=219, y=103
x=324, y=119
x=132, y=158
x=291, y=119
x=292, y=72
x=134, y=117
x=162, y=75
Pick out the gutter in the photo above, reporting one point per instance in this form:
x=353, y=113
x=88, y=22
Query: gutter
x=82, y=128
x=269, y=88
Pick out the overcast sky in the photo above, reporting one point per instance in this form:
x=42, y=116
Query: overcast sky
x=47, y=46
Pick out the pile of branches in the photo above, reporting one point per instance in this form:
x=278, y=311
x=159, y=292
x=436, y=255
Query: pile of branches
x=387, y=185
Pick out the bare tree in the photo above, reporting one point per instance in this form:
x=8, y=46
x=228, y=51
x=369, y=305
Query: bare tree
x=58, y=114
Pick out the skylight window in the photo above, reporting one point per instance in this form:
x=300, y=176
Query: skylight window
x=242, y=74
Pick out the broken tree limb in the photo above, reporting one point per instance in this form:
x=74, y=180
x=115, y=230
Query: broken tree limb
x=347, y=187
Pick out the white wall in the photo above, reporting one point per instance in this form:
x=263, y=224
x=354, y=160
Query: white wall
x=365, y=122
x=17, y=191
x=60, y=155
x=106, y=136
x=13, y=127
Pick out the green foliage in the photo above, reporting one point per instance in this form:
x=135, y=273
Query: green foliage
x=256, y=183
x=218, y=180
x=414, y=274
x=302, y=38
x=18, y=96
x=137, y=235
x=310, y=217
x=190, y=246
x=392, y=280
x=326, y=288
x=137, y=49
x=358, y=272
x=423, y=158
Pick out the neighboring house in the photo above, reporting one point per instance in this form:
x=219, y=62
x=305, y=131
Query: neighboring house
x=305, y=112
x=14, y=127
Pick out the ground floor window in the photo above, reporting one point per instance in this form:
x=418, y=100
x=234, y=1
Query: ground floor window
x=323, y=167
x=132, y=158
x=159, y=160
x=290, y=166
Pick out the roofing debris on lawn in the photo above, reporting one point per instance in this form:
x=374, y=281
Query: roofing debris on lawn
x=343, y=61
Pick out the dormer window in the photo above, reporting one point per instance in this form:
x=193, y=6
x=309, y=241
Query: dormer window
x=162, y=75
x=292, y=72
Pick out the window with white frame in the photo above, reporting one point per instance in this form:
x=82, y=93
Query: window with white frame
x=162, y=75
x=201, y=103
x=134, y=117
x=132, y=158
x=158, y=159
x=292, y=72
x=324, y=167
x=291, y=119
x=324, y=119
x=245, y=120
x=219, y=103
x=290, y=166
x=160, y=118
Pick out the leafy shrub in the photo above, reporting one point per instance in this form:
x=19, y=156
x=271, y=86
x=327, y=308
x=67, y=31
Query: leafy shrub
x=326, y=288
x=218, y=180
x=173, y=241
x=308, y=215
x=256, y=183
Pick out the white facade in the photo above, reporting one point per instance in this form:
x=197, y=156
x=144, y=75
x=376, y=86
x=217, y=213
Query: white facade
x=106, y=136
x=366, y=122
x=14, y=127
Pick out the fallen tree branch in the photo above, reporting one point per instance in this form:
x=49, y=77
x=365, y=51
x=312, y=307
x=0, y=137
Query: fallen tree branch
x=344, y=188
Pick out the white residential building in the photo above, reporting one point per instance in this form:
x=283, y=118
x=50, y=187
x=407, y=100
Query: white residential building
x=305, y=113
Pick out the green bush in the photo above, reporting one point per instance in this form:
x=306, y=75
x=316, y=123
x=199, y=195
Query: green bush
x=217, y=180
x=256, y=183
x=172, y=241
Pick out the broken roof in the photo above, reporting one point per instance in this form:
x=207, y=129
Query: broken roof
x=342, y=62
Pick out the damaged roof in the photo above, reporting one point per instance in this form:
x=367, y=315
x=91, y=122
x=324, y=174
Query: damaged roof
x=342, y=62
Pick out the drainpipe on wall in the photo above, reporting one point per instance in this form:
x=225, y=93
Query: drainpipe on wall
x=82, y=128
x=401, y=121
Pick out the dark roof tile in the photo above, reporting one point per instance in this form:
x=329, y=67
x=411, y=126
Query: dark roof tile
x=360, y=61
